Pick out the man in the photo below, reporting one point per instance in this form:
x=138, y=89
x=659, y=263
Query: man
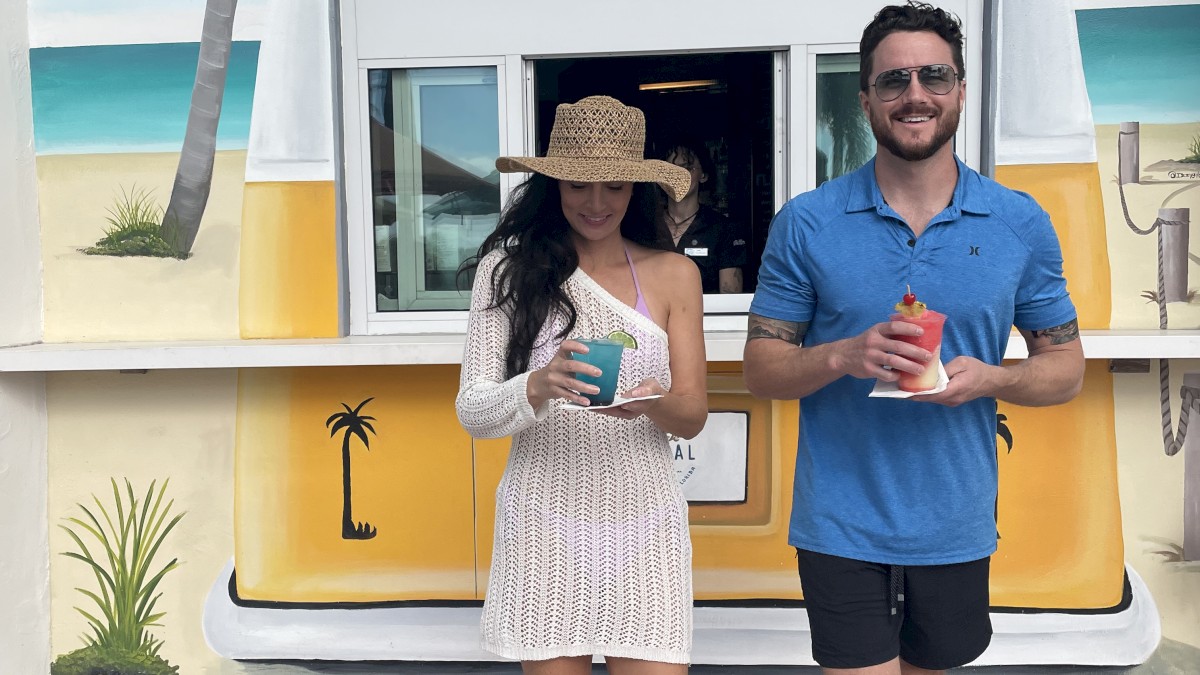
x=893, y=512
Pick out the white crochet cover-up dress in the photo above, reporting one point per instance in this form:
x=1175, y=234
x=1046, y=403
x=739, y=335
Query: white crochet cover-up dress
x=592, y=553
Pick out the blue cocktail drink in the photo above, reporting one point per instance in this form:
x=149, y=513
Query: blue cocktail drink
x=605, y=355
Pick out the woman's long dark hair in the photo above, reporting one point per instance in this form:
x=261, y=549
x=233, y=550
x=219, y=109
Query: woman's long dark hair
x=539, y=256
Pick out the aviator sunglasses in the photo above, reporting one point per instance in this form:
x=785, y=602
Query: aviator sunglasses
x=938, y=78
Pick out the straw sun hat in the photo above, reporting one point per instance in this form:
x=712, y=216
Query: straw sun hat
x=598, y=140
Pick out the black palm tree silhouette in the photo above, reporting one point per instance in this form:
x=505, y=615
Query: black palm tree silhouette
x=354, y=425
x=1003, y=432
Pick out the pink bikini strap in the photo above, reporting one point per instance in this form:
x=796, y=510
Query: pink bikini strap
x=641, y=306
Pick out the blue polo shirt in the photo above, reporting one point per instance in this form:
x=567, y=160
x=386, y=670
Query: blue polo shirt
x=896, y=481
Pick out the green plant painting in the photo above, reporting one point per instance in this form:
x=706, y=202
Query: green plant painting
x=125, y=537
x=1193, y=151
x=134, y=227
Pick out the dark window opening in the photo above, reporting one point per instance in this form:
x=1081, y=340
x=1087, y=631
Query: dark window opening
x=724, y=101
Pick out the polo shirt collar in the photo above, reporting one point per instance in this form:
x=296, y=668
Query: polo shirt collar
x=864, y=193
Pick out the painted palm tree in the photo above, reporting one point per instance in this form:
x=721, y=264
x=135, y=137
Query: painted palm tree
x=353, y=424
x=193, y=178
x=1003, y=432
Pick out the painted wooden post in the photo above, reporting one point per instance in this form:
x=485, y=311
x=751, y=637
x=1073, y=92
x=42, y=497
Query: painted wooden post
x=1129, y=149
x=1191, y=477
x=1174, y=224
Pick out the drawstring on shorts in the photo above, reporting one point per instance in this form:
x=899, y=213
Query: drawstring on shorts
x=895, y=587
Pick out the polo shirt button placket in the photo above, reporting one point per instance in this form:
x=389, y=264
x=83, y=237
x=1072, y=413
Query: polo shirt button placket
x=912, y=256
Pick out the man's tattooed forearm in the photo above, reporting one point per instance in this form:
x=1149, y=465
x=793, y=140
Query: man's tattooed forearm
x=789, y=331
x=1060, y=334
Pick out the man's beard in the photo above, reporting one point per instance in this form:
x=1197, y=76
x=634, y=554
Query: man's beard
x=947, y=125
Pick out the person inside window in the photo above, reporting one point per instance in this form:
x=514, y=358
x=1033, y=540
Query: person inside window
x=712, y=241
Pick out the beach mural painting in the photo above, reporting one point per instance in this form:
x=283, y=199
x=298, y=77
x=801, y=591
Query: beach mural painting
x=1148, y=113
x=111, y=120
x=118, y=540
x=135, y=128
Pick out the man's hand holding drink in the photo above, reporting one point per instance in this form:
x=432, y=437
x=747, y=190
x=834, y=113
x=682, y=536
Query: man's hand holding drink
x=912, y=311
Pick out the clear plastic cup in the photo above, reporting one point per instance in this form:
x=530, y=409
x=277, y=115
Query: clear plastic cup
x=931, y=341
x=605, y=354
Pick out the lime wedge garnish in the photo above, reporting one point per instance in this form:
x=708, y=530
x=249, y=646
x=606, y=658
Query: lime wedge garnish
x=624, y=338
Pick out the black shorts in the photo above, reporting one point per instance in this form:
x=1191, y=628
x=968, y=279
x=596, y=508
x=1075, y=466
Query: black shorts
x=863, y=614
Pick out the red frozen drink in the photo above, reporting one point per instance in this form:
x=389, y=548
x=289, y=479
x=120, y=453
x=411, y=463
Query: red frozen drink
x=912, y=311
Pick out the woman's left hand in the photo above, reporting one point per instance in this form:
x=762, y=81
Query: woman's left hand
x=635, y=409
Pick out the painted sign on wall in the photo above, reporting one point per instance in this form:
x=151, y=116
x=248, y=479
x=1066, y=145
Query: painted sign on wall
x=712, y=466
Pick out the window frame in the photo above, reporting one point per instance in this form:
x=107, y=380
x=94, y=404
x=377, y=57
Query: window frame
x=727, y=312
x=365, y=318
x=794, y=137
x=410, y=264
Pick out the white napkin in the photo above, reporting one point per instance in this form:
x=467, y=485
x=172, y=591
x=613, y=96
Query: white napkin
x=619, y=400
x=892, y=389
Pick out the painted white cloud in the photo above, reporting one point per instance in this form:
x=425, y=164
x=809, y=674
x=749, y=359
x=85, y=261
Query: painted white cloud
x=65, y=23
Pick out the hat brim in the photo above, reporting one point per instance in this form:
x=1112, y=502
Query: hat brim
x=674, y=180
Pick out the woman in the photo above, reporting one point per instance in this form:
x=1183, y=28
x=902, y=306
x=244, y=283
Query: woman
x=591, y=552
x=700, y=232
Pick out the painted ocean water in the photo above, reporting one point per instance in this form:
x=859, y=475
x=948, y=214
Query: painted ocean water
x=1142, y=64
x=131, y=98
x=1139, y=62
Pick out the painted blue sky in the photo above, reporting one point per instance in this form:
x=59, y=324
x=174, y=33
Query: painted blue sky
x=1142, y=64
x=61, y=23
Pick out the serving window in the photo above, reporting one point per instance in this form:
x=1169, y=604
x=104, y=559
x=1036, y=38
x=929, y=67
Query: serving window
x=774, y=104
x=721, y=104
x=434, y=128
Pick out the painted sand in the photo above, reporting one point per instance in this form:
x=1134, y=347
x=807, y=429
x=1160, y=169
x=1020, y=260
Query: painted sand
x=99, y=298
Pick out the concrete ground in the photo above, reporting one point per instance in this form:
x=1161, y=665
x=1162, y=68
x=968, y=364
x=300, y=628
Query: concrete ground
x=1171, y=658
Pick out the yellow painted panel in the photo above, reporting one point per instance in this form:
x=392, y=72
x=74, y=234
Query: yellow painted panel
x=413, y=485
x=751, y=559
x=1070, y=193
x=289, y=285
x=739, y=551
x=262, y=515
x=432, y=496
x=491, y=456
x=1059, y=513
